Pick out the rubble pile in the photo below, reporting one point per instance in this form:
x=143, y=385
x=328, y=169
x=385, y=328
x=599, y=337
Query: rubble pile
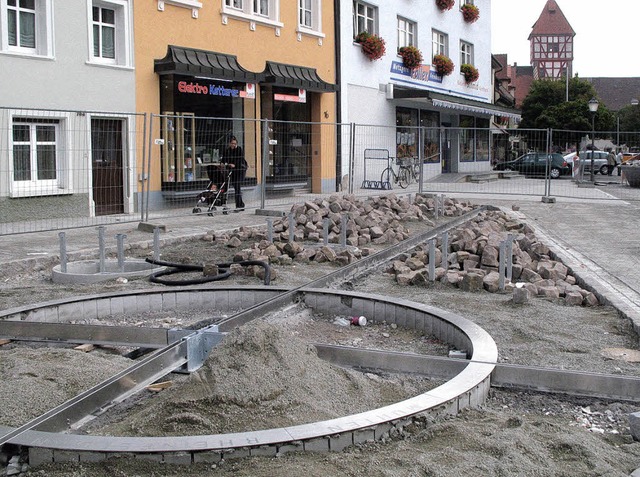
x=472, y=263
x=374, y=221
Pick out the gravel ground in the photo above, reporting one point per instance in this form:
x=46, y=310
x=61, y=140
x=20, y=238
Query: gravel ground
x=513, y=433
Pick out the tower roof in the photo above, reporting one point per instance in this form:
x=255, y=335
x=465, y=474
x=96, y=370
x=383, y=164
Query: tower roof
x=551, y=21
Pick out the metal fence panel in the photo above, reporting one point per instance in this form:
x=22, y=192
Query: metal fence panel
x=62, y=169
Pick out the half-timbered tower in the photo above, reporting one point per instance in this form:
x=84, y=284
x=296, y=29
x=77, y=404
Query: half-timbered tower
x=551, y=42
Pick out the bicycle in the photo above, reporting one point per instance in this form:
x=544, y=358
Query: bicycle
x=408, y=172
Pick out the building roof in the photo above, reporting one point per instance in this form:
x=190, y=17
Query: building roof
x=616, y=93
x=551, y=22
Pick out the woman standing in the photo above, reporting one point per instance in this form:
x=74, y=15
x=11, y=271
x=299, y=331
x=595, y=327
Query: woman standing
x=234, y=157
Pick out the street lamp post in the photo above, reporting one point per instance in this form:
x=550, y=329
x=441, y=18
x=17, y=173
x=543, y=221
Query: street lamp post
x=593, y=107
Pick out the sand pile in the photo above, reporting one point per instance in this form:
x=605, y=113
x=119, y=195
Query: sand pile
x=260, y=377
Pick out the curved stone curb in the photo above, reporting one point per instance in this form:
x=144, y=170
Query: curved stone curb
x=469, y=388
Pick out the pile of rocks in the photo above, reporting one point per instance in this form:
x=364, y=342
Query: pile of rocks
x=472, y=263
x=374, y=221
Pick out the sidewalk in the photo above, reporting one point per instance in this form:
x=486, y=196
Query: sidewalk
x=599, y=241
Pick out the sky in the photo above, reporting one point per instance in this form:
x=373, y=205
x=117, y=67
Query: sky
x=604, y=29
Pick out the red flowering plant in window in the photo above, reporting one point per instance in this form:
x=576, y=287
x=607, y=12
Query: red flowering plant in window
x=469, y=72
x=411, y=56
x=470, y=12
x=443, y=64
x=373, y=46
x=445, y=4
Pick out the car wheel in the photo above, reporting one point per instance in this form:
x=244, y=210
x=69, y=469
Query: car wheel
x=554, y=172
x=604, y=170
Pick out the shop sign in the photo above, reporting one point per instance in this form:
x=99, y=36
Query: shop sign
x=216, y=90
x=300, y=98
x=421, y=74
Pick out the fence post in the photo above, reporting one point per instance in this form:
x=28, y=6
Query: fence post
x=265, y=163
x=63, y=252
x=352, y=154
x=145, y=216
x=501, y=261
x=420, y=161
x=432, y=260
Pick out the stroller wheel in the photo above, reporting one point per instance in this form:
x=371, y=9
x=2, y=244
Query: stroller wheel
x=211, y=210
x=196, y=210
x=225, y=212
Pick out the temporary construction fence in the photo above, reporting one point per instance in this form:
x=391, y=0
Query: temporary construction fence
x=63, y=169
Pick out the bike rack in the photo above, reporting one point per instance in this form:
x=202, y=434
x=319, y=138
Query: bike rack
x=375, y=155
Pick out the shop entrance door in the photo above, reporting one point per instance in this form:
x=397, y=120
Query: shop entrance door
x=107, y=165
x=445, y=147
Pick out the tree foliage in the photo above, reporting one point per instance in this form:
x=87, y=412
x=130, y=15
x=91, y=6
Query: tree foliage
x=546, y=106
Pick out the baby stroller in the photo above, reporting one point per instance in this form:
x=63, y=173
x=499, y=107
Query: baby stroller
x=215, y=195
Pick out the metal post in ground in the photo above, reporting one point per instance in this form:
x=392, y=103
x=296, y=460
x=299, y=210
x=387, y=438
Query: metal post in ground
x=63, y=252
x=501, y=260
x=509, y=257
x=156, y=243
x=120, y=241
x=101, y=248
x=445, y=248
x=270, y=230
x=325, y=230
x=343, y=230
x=292, y=228
x=432, y=260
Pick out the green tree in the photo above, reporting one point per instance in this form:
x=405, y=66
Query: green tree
x=630, y=118
x=546, y=106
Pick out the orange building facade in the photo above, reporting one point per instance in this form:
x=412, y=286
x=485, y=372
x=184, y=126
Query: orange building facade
x=212, y=70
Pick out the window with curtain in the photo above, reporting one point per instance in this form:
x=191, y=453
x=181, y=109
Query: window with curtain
x=365, y=18
x=466, y=53
x=104, y=33
x=34, y=150
x=406, y=32
x=111, y=32
x=21, y=19
x=440, y=43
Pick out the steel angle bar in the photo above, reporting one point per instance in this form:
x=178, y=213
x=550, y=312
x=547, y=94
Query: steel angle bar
x=95, y=334
x=116, y=388
x=392, y=361
x=578, y=383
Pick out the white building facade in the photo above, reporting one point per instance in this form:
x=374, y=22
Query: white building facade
x=66, y=139
x=443, y=119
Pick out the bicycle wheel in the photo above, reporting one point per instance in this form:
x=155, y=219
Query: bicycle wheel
x=386, y=177
x=404, y=177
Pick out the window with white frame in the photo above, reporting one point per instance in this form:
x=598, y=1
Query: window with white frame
x=110, y=32
x=440, y=43
x=406, y=32
x=36, y=149
x=265, y=11
x=466, y=53
x=309, y=17
x=365, y=18
x=26, y=27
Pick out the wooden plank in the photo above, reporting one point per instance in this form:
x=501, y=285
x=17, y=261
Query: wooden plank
x=85, y=348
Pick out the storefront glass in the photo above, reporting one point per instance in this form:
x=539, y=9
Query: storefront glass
x=198, y=118
x=430, y=122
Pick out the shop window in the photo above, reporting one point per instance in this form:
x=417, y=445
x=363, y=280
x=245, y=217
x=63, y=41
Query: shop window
x=260, y=11
x=474, y=139
x=26, y=27
x=440, y=43
x=406, y=132
x=482, y=139
x=406, y=32
x=365, y=18
x=309, y=16
x=37, y=156
x=110, y=32
x=430, y=122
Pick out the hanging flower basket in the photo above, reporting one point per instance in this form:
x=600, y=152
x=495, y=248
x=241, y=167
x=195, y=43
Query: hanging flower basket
x=443, y=64
x=411, y=56
x=445, y=4
x=373, y=46
x=470, y=73
x=470, y=12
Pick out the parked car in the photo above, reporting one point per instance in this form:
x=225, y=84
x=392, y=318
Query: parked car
x=535, y=164
x=600, y=162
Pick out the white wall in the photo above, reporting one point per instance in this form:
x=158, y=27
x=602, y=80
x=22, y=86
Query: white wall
x=66, y=81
